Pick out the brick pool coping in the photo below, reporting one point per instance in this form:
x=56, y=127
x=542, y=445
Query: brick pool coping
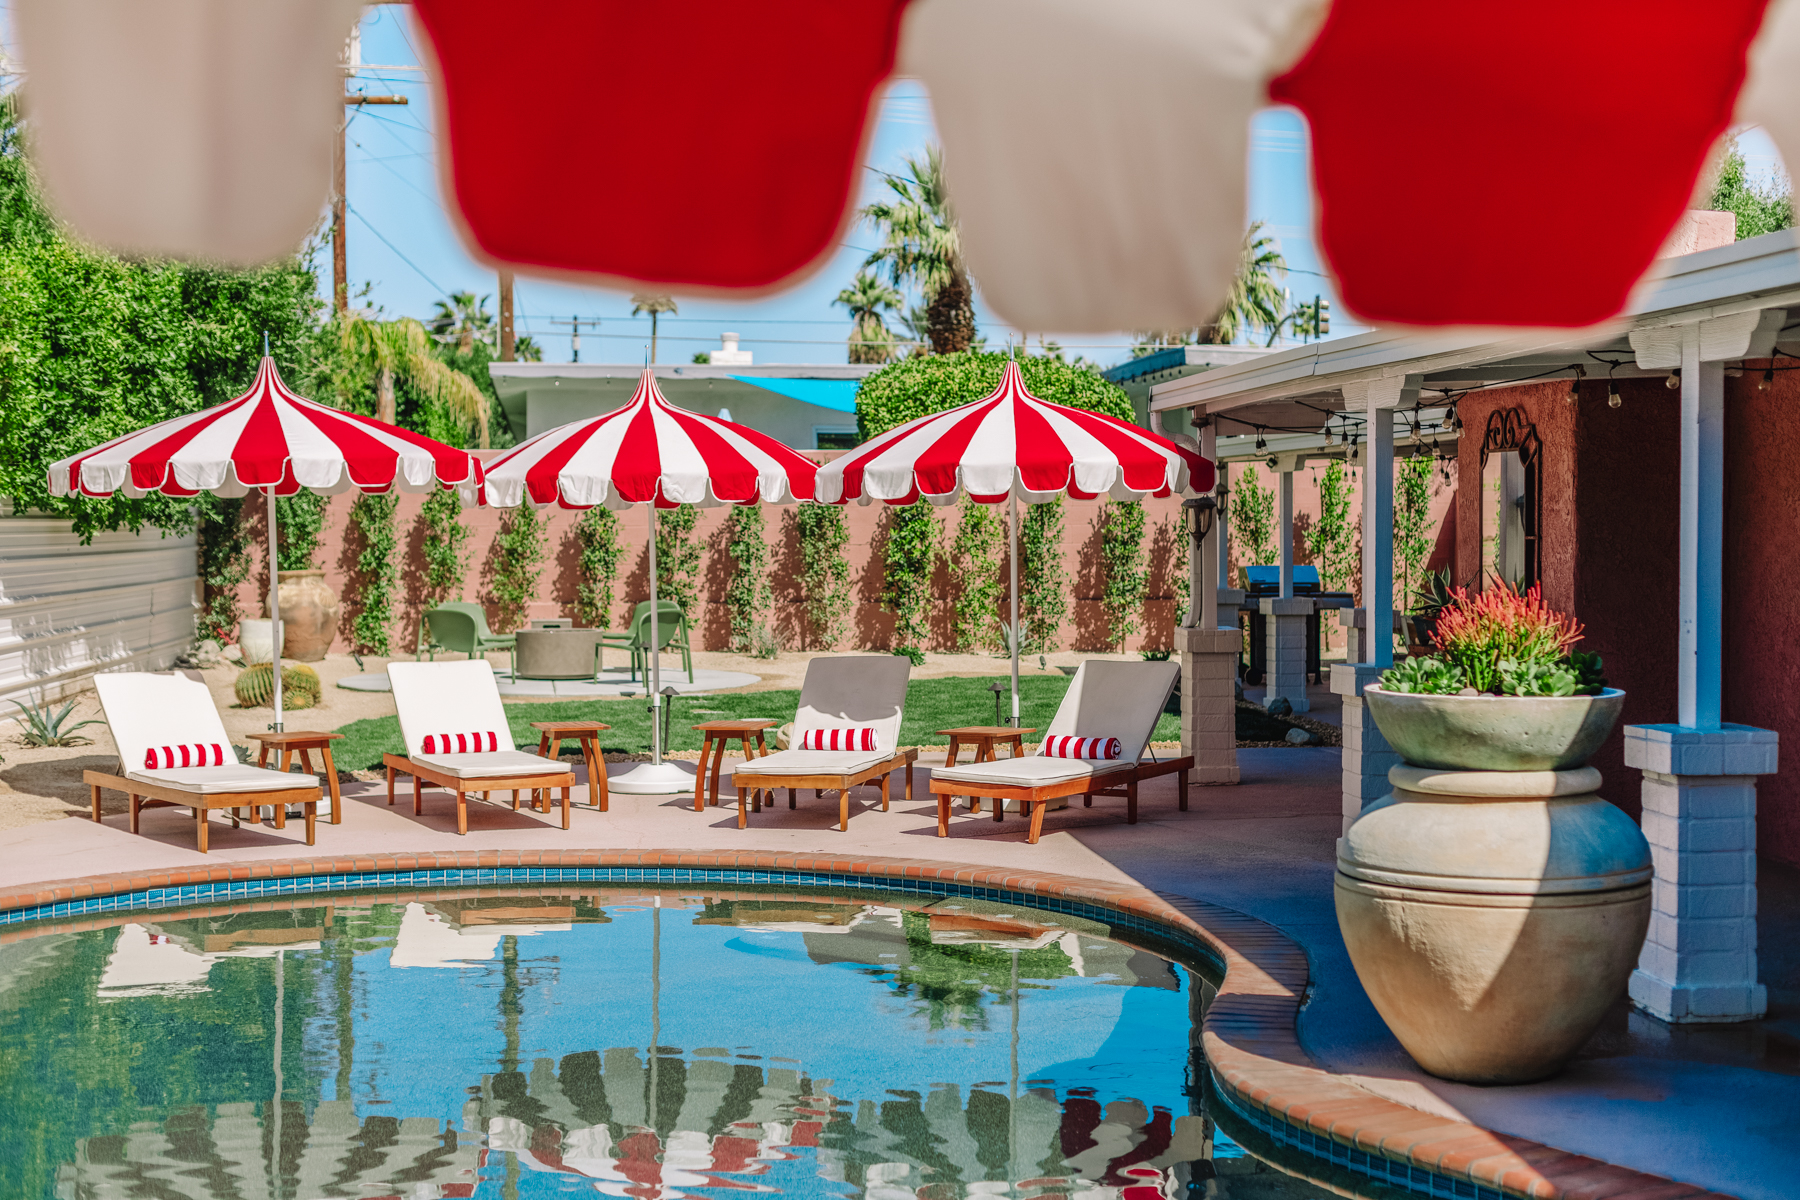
x=1252, y=1046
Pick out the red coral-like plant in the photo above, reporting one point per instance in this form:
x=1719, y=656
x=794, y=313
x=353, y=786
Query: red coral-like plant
x=1479, y=631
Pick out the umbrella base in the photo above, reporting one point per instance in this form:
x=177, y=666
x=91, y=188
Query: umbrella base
x=653, y=779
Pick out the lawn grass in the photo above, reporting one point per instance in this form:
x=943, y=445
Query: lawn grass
x=931, y=704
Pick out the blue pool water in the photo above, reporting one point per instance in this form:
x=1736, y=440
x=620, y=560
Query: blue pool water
x=622, y=1040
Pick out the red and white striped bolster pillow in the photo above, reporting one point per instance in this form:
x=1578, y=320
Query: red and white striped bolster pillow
x=1082, y=747
x=856, y=737
x=163, y=758
x=462, y=743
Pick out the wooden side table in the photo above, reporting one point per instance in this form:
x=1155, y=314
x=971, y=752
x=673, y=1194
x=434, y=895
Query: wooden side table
x=551, y=735
x=984, y=738
x=719, y=734
x=302, y=742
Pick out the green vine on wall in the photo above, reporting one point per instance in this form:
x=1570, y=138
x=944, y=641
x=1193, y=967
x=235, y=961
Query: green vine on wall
x=598, y=535
x=823, y=534
x=1414, y=480
x=974, y=562
x=1122, y=562
x=224, y=565
x=912, y=537
x=518, y=562
x=748, y=597
x=1333, y=535
x=300, y=524
x=678, y=554
x=444, y=545
x=1043, y=580
x=377, y=571
x=1253, y=522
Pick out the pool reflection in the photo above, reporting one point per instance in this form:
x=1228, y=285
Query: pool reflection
x=455, y=1047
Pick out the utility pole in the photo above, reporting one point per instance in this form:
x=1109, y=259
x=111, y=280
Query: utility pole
x=575, y=323
x=508, y=344
x=340, y=257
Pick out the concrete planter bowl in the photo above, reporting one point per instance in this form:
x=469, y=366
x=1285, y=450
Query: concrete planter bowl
x=1493, y=915
x=1495, y=733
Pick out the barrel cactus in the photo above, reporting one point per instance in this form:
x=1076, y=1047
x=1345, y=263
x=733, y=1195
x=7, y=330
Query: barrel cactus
x=256, y=686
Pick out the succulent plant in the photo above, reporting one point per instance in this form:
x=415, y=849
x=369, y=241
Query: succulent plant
x=255, y=686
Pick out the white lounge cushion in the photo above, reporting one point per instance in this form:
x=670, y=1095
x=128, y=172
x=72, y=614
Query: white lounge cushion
x=434, y=697
x=144, y=710
x=1110, y=698
x=849, y=690
x=232, y=777
x=486, y=766
x=1033, y=770
x=814, y=762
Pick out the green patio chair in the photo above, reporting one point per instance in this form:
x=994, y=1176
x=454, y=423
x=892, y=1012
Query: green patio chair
x=672, y=633
x=462, y=627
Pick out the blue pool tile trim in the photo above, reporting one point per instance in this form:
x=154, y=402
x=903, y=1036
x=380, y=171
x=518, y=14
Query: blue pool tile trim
x=1413, y=1179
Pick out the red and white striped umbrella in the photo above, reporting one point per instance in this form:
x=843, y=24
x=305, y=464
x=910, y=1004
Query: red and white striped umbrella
x=649, y=452
x=1011, y=443
x=646, y=451
x=267, y=439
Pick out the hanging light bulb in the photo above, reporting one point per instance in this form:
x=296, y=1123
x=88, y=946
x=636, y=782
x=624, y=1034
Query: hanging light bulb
x=1674, y=379
x=1575, y=384
x=1768, y=378
x=1260, y=443
x=1330, y=435
x=1613, y=399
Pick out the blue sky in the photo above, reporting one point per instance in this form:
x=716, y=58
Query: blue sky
x=401, y=241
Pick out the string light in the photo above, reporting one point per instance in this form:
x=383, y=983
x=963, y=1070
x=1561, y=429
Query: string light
x=1767, y=379
x=1674, y=379
x=1575, y=384
x=1613, y=399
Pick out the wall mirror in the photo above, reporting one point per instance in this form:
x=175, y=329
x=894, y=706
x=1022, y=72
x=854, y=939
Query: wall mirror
x=1511, y=466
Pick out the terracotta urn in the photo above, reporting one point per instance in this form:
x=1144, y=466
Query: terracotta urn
x=1493, y=916
x=309, y=615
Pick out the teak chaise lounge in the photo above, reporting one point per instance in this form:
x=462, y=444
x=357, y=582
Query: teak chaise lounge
x=460, y=700
x=152, y=712
x=1106, y=699
x=855, y=691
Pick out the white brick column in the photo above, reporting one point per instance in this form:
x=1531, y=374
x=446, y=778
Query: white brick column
x=1367, y=755
x=1209, y=662
x=1699, y=961
x=1284, y=628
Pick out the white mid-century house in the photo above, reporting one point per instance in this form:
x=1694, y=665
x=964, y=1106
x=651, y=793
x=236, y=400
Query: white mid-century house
x=807, y=407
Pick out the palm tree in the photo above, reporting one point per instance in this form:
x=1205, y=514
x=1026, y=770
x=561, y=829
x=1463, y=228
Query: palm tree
x=526, y=349
x=921, y=245
x=463, y=318
x=644, y=302
x=1256, y=300
x=868, y=298
x=401, y=349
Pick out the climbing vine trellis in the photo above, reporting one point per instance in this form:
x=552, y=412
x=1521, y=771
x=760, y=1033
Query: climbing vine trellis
x=377, y=571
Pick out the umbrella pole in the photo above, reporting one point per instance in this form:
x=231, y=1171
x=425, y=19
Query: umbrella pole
x=655, y=657
x=275, y=604
x=1013, y=560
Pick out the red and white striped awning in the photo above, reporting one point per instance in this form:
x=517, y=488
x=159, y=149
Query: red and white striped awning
x=1095, y=152
x=1011, y=439
x=266, y=436
x=649, y=450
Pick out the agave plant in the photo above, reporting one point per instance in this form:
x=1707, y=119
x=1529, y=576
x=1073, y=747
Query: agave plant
x=45, y=724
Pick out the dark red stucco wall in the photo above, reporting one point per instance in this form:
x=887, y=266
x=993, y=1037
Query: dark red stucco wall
x=1762, y=586
x=1611, y=555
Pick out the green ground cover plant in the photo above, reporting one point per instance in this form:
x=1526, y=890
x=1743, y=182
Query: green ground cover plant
x=931, y=704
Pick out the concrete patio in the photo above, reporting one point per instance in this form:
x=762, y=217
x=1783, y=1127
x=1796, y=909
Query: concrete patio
x=1641, y=1095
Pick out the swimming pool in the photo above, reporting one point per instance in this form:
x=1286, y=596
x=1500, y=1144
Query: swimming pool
x=636, y=1040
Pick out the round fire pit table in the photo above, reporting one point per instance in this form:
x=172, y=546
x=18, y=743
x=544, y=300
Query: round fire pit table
x=558, y=653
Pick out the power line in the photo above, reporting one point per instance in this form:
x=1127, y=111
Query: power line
x=409, y=262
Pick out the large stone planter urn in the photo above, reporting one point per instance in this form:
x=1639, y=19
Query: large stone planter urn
x=309, y=615
x=1493, y=905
